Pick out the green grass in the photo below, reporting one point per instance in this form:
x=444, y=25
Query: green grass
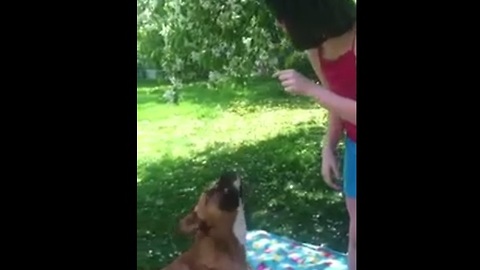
x=270, y=136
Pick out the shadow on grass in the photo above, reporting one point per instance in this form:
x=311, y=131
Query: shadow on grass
x=284, y=194
x=260, y=92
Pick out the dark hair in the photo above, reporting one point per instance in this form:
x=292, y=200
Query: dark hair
x=309, y=23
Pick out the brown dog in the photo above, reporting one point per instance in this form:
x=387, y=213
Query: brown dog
x=218, y=224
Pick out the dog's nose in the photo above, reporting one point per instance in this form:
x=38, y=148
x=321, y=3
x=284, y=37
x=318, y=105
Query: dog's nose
x=237, y=183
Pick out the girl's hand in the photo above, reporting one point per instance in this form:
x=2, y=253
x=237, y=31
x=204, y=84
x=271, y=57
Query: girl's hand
x=330, y=168
x=294, y=82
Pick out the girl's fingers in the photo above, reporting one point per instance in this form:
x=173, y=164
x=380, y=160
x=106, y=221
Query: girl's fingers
x=287, y=83
x=289, y=89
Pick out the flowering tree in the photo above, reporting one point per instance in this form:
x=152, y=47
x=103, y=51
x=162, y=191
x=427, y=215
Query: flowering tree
x=200, y=39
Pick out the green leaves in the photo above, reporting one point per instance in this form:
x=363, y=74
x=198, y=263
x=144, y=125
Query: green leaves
x=190, y=39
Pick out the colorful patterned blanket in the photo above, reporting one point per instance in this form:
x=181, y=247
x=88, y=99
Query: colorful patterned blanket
x=266, y=251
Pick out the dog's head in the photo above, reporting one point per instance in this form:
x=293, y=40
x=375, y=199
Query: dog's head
x=216, y=211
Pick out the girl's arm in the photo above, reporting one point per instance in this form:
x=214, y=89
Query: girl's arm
x=334, y=132
x=335, y=128
x=342, y=107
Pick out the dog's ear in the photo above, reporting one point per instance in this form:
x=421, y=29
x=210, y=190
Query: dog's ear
x=193, y=221
x=190, y=223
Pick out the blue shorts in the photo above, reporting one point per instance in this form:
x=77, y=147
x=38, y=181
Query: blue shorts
x=350, y=169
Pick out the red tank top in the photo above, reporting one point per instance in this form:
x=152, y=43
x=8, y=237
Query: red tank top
x=341, y=75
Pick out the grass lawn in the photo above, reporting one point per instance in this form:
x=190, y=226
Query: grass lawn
x=272, y=137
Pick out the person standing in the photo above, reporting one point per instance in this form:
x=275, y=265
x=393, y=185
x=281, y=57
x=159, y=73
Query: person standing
x=326, y=30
